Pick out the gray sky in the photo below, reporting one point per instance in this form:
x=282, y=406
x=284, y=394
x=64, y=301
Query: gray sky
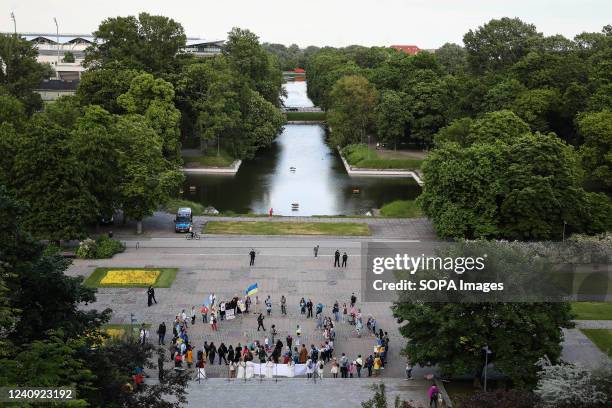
x=426, y=23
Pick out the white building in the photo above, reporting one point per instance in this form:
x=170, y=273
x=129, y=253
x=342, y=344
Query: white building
x=52, y=49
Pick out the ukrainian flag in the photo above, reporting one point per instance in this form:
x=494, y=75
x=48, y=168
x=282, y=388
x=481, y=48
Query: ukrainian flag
x=251, y=290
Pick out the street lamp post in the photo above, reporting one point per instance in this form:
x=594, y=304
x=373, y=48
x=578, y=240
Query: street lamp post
x=487, y=351
x=58, y=43
x=563, y=236
x=14, y=22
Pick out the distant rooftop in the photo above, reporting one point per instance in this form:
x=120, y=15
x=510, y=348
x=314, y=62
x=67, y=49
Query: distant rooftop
x=408, y=49
x=72, y=38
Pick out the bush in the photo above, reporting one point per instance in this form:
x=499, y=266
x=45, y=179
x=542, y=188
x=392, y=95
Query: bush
x=103, y=247
x=107, y=247
x=51, y=249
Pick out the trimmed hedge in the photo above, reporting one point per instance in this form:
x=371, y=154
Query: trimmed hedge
x=102, y=247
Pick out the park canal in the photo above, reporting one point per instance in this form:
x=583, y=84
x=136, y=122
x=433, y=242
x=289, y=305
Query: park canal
x=299, y=168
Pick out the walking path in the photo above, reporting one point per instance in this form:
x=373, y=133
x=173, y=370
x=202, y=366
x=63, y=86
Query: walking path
x=161, y=224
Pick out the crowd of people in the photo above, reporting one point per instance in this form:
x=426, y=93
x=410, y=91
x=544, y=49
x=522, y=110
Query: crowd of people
x=272, y=349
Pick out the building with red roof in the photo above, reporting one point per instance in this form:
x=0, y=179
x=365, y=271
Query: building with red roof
x=408, y=49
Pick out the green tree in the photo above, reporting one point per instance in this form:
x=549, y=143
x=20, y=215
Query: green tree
x=102, y=86
x=148, y=43
x=452, y=58
x=499, y=44
x=154, y=99
x=519, y=334
x=249, y=59
x=148, y=179
x=596, y=152
x=68, y=57
x=352, y=113
x=51, y=181
x=392, y=117
x=21, y=73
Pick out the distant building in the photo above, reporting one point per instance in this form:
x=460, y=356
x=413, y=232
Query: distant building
x=408, y=49
x=53, y=50
x=204, y=48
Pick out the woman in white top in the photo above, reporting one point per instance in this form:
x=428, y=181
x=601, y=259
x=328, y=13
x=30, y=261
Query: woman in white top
x=269, y=369
x=320, y=366
x=309, y=368
x=250, y=370
x=241, y=369
x=291, y=367
x=334, y=368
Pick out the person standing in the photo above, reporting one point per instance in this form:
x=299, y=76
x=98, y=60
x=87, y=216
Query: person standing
x=309, y=307
x=433, y=394
x=268, y=303
x=344, y=366
x=260, y=320
x=143, y=334
x=337, y=258
x=336, y=311
x=298, y=335
x=212, y=353
x=316, y=250
x=193, y=315
x=283, y=305
x=161, y=332
x=344, y=259
x=222, y=350
x=152, y=294
x=230, y=354
x=213, y=322
x=359, y=365
x=204, y=313
x=222, y=307
x=160, y=365
x=369, y=364
x=408, y=369
x=273, y=333
x=302, y=306
x=353, y=299
x=289, y=340
x=252, y=256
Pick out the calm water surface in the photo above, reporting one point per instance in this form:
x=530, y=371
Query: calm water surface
x=319, y=183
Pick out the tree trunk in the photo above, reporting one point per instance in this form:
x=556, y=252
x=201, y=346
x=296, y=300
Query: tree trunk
x=139, y=227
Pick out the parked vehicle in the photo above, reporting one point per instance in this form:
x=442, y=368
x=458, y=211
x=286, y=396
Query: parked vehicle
x=184, y=220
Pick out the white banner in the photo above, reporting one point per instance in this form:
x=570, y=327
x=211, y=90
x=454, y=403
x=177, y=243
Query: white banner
x=278, y=370
x=229, y=314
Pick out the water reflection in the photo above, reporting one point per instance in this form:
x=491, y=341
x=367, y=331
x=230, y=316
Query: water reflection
x=319, y=183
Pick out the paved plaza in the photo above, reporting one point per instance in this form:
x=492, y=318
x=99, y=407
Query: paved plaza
x=283, y=266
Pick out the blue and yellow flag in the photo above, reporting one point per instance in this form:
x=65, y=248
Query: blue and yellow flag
x=251, y=290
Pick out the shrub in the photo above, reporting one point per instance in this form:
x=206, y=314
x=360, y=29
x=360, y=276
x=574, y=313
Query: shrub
x=103, y=247
x=87, y=249
x=107, y=247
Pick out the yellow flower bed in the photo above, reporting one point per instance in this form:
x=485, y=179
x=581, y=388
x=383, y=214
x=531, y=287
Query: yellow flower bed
x=115, y=332
x=130, y=277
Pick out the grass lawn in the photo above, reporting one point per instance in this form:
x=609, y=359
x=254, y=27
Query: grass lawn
x=286, y=228
x=361, y=156
x=173, y=205
x=401, y=209
x=209, y=160
x=592, y=310
x=602, y=339
x=319, y=116
x=164, y=280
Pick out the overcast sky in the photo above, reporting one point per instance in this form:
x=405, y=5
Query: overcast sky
x=426, y=23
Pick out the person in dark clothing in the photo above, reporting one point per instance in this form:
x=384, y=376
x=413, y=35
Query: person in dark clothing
x=289, y=341
x=230, y=353
x=344, y=259
x=261, y=353
x=212, y=353
x=161, y=332
x=309, y=307
x=353, y=299
x=237, y=352
x=160, y=365
x=151, y=293
x=260, y=320
x=252, y=255
x=222, y=350
x=369, y=363
x=337, y=258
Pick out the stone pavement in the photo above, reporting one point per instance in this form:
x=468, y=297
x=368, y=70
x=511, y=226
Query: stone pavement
x=299, y=393
x=579, y=349
x=161, y=225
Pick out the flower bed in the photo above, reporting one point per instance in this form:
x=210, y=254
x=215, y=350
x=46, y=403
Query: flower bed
x=130, y=277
